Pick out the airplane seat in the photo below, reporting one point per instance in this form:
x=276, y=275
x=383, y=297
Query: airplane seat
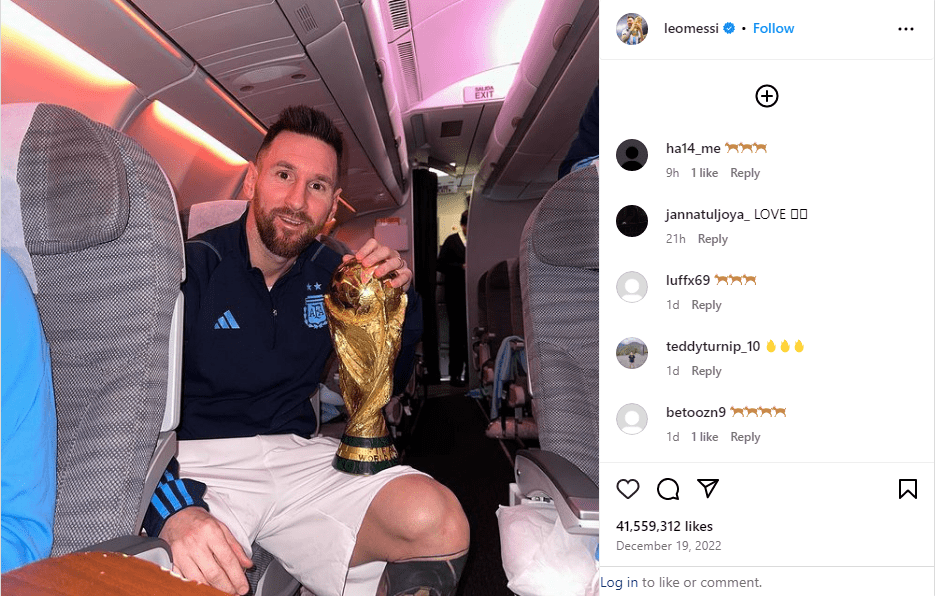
x=202, y=217
x=91, y=219
x=498, y=296
x=505, y=368
x=559, y=275
x=517, y=299
x=508, y=370
x=498, y=308
x=482, y=301
x=481, y=351
x=518, y=395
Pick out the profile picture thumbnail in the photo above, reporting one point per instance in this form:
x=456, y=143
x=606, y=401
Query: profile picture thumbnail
x=631, y=220
x=631, y=29
x=631, y=155
x=631, y=286
x=631, y=352
x=631, y=419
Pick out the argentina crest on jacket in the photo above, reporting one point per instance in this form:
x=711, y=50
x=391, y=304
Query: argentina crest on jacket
x=314, y=312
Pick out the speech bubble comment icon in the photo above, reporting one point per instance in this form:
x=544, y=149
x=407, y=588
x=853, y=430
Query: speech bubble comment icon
x=627, y=487
x=668, y=489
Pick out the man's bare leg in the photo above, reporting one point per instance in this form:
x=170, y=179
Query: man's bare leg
x=418, y=527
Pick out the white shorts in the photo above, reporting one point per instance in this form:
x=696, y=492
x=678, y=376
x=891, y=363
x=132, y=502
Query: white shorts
x=282, y=492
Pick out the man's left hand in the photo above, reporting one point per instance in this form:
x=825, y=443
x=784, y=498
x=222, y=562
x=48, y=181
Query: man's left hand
x=387, y=261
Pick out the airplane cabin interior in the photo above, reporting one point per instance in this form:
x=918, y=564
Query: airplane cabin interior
x=445, y=106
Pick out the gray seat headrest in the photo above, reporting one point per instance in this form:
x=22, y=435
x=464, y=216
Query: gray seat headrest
x=70, y=177
x=556, y=219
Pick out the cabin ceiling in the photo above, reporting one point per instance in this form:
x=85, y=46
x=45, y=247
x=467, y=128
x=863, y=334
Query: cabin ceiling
x=261, y=52
x=456, y=44
x=395, y=75
x=264, y=53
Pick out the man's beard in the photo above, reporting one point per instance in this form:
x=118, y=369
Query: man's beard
x=282, y=245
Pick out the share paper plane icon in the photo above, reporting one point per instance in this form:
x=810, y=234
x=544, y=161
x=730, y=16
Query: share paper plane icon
x=708, y=484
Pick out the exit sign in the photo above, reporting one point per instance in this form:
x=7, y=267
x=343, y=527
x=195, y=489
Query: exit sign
x=475, y=93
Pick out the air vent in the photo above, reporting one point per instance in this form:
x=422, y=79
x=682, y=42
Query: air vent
x=408, y=67
x=306, y=18
x=399, y=14
x=451, y=128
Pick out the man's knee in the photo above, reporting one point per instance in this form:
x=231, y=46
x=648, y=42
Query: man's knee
x=423, y=512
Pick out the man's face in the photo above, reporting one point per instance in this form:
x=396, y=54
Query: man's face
x=293, y=192
x=630, y=22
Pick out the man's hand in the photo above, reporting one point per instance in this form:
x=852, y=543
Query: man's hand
x=204, y=550
x=387, y=260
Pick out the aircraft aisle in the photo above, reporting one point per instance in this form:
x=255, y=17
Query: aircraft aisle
x=449, y=443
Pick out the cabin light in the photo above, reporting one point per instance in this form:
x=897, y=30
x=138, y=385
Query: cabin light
x=438, y=172
x=452, y=163
x=150, y=30
x=512, y=30
x=181, y=125
x=19, y=28
x=235, y=106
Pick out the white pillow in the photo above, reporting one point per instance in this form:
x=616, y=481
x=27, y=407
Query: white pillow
x=541, y=558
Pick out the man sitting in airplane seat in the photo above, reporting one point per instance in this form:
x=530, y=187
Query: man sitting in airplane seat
x=248, y=468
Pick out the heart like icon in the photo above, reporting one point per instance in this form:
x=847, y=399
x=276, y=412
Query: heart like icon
x=630, y=488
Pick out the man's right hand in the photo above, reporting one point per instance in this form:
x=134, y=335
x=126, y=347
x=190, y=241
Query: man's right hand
x=204, y=550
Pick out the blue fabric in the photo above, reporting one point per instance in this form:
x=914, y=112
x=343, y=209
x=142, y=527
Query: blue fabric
x=583, y=163
x=28, y=425
x=172, y=494
x=504, y=371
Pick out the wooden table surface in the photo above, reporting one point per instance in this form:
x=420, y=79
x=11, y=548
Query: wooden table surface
x=93, y=574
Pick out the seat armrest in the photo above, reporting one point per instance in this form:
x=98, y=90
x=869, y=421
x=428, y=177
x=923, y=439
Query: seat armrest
x=154, y=550
x=543, y=475
x=173, y=408
x=165, y=450
x=276, y=581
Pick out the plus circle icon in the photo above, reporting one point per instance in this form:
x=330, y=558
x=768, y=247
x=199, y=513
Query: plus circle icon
x=767, y=96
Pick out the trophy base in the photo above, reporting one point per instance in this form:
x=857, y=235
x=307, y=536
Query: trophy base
x=364, y=456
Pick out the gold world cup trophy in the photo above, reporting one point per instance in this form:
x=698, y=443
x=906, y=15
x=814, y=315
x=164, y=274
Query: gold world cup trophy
x=366, y=321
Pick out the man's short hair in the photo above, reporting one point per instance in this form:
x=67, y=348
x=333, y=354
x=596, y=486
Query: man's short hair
x=463, y=221
x=307, y=121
